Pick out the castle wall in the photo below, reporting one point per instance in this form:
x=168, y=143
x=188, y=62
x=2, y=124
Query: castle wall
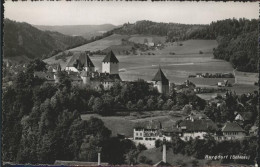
x=161, y=88
x=71, y=69
x=89, y=69
x=109, y=67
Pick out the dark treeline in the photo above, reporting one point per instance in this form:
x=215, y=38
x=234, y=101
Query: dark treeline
x=237, y=39
x=42, y=123
x=27, y=42
x=172, y=31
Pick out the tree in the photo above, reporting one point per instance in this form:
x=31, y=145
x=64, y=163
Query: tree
x=64, y=80
x=141, y=147
x=140, y=105
x=98, y=106
x=36, y=65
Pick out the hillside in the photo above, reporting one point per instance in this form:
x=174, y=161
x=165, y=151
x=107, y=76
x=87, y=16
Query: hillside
x=86, y=31
x=237, y=39
x=23, y=42
x=173, y=31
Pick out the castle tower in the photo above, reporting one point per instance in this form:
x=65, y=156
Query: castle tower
x=110, y=64
x=161, y=82
x=88, y=65
x=85, y=77
x=55, y=76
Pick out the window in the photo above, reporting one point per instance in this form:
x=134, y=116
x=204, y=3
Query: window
x=136, y=134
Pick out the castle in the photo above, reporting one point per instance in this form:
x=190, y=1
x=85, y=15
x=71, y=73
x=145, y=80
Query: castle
x=81, y=71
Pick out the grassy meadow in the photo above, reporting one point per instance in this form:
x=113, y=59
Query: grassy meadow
x=125, y=124
x=185, y=61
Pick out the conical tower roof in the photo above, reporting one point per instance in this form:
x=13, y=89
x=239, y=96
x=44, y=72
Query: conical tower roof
x=88, y=62
x=110, y=57
x=58, y=67
x=159, y=76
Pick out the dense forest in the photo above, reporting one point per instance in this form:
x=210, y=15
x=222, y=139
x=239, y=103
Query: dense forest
x=24, y=42
x=237, y=39
x=42, y=123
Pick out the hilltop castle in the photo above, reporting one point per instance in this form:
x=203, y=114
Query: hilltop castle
x=81, y=71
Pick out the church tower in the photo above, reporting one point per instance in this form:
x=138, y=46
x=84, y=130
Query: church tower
x=110, y=64
x=161, y=82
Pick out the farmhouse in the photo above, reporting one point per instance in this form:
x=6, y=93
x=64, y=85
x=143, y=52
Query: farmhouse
x=161, y=82
x=232, y=131
x=192, y=129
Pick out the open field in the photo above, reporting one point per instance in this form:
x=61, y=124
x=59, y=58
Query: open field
x=125, y=124
x=246, y=78
x=178, y=67
x=185, y=61
x=101, y=44
x=150, y=38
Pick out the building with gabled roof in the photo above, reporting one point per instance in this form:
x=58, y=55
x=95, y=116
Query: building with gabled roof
x=110, y=63
x=196, y=128
x=232, y=131
x=46, y=76
x=79, y=62
x=161, y=82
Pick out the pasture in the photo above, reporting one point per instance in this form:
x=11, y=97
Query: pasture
x=186, y=60
x=150, y=38
x=177, y=68
x=246, y=78
x=125, y=124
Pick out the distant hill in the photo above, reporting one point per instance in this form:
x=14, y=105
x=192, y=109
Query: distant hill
x=173, y=31
x=237, y=39
x=86, y=31
x=23, y=42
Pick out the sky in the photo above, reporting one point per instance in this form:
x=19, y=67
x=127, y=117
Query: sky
x=120, y=12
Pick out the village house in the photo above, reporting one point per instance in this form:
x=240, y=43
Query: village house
x=147, y=135
x=196, y=128
x=232, y=131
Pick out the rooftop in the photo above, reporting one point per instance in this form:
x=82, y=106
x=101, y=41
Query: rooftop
x=80, y=59
x=232, y=127
x=110, y=57
x=198, y=125
x=159, y=76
